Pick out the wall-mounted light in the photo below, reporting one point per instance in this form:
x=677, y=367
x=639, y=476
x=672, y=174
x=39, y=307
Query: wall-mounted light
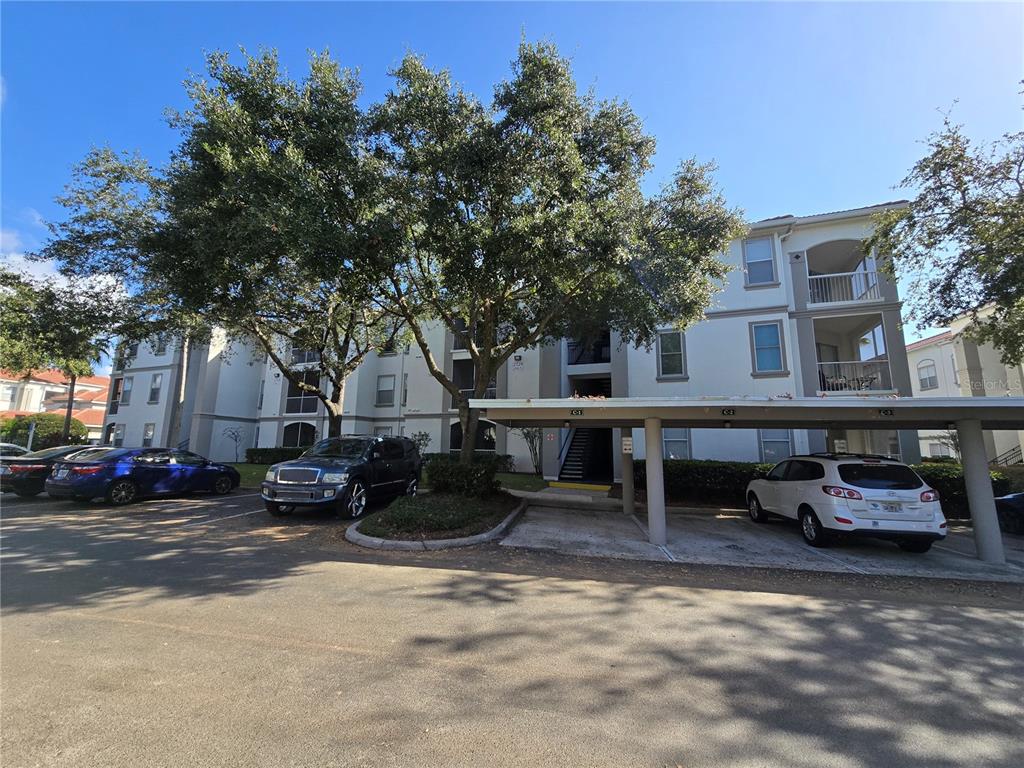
x=566, y=425
x=728, y=425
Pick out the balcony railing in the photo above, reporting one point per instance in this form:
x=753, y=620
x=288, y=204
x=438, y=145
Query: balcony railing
x=844, y=287
x=868, y=376
x=599, y=351
x=489, y=394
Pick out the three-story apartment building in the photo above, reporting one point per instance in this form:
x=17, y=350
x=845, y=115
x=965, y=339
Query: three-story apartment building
x=806, y=312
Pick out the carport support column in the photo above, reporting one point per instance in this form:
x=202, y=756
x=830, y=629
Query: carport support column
x=628, y=502
x=655, y=482
x=987, y=538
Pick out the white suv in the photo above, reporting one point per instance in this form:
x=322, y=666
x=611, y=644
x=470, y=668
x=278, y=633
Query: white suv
x=853, y=494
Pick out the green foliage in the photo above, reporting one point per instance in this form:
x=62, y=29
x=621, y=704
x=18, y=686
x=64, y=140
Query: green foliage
x=49, y=428
x=961, y=241
x=273, y=455
x=477, y=479
x=438, y=515
x=948, y=480
x=532, y=436
x=704, y=482
x=501, y=462
x=422, y=441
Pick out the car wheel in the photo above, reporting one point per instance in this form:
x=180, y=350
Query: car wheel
x=122, y=492
x=756, y=511
x=355, y=499
x=412, y=487
x=911, y=545
x=222, y=485
x=812, y=529
x=279, y=510
x=27, y=494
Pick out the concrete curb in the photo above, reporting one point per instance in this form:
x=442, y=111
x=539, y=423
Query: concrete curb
x=567, y=501
x=353, y=535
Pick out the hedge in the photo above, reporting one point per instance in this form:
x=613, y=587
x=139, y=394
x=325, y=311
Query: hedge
x=273, y=455
x=502, y=462
x=446, y=475
x=725, y=482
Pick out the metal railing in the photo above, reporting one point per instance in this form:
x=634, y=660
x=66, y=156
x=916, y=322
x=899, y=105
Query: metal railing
x=1008, y=458
x=489, y=394
x=851, y=376
x=599, y=351
x=844, y=287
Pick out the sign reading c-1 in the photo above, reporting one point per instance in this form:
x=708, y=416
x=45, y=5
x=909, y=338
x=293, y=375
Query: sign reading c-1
x=576, y=412
x=728, y=411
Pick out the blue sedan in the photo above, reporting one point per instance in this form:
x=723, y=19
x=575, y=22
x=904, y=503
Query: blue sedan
x=122, y=475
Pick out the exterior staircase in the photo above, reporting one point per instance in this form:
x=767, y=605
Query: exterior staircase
x=577, y=457
x=1009, y=458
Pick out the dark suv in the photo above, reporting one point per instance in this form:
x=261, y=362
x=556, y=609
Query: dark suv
x=344, y=473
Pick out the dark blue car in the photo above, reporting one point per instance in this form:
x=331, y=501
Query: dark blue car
x=122, y=475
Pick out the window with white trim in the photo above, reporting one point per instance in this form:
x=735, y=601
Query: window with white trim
x=677, y=443
x=936, y=450
x=126, y=390
x=759, y=261
x=382, y=431
x=927, y=375
x=156, y=381
x=148, y=432
x=775, y=444
x=671, y=355
x=766, y=339
x=386, y=389
x=299, y=400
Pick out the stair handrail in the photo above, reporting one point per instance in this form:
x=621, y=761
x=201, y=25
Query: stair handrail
x=1009, y=457
x=566, y=442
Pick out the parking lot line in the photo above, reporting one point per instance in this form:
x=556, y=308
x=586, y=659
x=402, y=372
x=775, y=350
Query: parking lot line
x=216, y=519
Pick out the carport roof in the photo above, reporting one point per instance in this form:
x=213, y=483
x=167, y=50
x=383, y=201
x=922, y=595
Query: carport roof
x=764, y=412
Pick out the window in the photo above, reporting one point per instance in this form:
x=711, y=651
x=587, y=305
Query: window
x=386, y=390
x=774, y=443
x=392, y=449
x=126, y=390
x=301, y=355
x=298, y=433
x=382, y=431
x=159, y=345
x=677, y=443
x=956, y=373
x=389, y=348
x=256, y=437
x=802, y=471
x=889, y=477
x=779, y=472
x=263, y=386
x=148, y=432
x=872, y=344
x=299, y=400
x=8, y=394
x=405, y=389
x=188, y=459
x=759, y=261
x=766, y=348
x=936, y=450
x=108, y=434
x=459, y=335
x=671, y=355
x=155, y=382
x=927, y=375
x=132, y=349
x=486, y=436
x=118, y=435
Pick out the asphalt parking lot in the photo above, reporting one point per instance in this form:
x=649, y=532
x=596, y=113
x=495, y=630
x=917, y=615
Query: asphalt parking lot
x=200, y=631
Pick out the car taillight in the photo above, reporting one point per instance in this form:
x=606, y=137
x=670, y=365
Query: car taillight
x=843, y=520
x=26, y=467
x=930, y=496
x=85, y=470
x=841, y=493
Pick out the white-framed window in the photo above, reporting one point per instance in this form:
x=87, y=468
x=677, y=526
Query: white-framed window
x=297, y=434
x=956, y=373
x=927, y=375
x=872, y=344
x=766, y=347
x=263, y=386
x=126, y=389
x=759, y=261
x=936, y=450
x=148, y=432
x=156, y=381
x=118, y=435
x=382, y=431
x=386, y=389
x=8, y=394
x=301, y=355
x=299, y=400
x=671, y=355
x=405, y=389
x=677, y=443
x=774, y=444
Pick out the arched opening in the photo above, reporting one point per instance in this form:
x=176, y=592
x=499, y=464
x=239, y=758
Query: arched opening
x=840, y=271
x=486, y=436
x=298, y=433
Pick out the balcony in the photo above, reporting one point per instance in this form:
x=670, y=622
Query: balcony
x=844, y=288
x=855, y=376
x=489, y=394
x=590, y=352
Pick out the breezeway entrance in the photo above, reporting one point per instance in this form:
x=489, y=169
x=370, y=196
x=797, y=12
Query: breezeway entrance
x=969, y=416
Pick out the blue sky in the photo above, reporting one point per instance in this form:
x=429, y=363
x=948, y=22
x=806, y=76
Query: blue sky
x=805, y=107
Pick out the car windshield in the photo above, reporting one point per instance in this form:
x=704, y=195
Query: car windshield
x=98, y=454
x=890, y=477
x=338, y=448
x=49, y=453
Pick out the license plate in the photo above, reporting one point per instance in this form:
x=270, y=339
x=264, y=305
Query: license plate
x=889, y=509
x=60, y=473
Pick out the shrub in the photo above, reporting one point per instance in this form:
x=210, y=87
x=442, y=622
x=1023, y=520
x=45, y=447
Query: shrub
x=948, y=480
x=447, y=475
x=719, y=482
x=272, y=455
x=47, y=433
x=502, y=462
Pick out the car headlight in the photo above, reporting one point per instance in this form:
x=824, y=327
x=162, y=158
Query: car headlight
x=335, y=477
x=271, y=474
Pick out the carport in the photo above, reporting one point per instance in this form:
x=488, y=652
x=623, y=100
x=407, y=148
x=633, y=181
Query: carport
x=969, y=416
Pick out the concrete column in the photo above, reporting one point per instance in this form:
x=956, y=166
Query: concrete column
x=628, y=503
x=655, y=482
x=987, y=538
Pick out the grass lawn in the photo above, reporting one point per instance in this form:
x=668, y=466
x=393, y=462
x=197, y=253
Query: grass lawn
x=438, y=516
x=252, y=474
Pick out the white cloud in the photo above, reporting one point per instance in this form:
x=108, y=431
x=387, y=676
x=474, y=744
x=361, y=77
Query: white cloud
x=33, y=217
x=20, y=264
x=10, y=241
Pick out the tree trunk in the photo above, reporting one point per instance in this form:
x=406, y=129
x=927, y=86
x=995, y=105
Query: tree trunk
x=65, y=433
x=174, y=434
x=334, y=410
x=468, y=420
